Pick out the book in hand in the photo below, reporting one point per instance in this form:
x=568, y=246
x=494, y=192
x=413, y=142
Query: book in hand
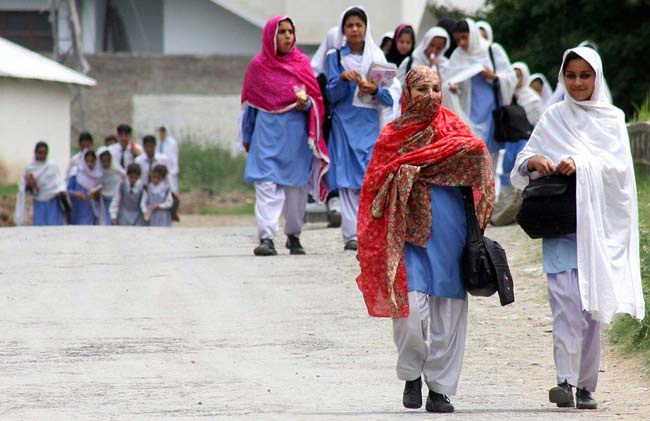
x=382, y=74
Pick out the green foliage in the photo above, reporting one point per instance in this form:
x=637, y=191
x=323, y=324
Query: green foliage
x=642, y=113
x=245, y=209
x=539, y=31
x=210, y=166
x=8, y=190
x=443, y=11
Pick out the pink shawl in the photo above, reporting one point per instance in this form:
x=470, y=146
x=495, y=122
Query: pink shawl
x=269, y=86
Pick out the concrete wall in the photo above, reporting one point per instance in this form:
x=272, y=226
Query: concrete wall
x=143, y=20
x=202, y=27
x=24, y=5
x=30, y=111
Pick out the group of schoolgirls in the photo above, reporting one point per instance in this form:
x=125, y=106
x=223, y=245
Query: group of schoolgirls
x=120, y=183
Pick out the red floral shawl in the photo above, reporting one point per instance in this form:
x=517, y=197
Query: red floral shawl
x=427, y=145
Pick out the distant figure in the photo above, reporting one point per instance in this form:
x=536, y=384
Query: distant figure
x=110, y=140
x=112, y=176
x=157, y=201
x=386, y=42
x=430, y=52
x=126, y=150
x=402, y=46
x=539, y=84
x=126, y=204
x=85, y=142
x=168, y=147
x=42, y=180
x=84, y=190
x=150, y=158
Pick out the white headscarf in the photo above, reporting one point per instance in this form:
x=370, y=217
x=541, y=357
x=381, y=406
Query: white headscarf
x=49, y=182
x=361, y=63
x=546, y=87
x=419, y=56
x=465, y=64
x=594, y=135
x=319, y=61
x=87, y=178
x=526, y=96
x=113, y=176
x=481, y=24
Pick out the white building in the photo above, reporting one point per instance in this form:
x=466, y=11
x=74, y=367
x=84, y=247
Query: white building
x=35, y=96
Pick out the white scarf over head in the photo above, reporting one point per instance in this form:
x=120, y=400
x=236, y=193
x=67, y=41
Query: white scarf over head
x=319, y=61
x=49, y=182
x=594, y=135
x=481, y=24
x=87, y=178
x=465, y=64
x=419, y=55
x=361, y=63
x=526, y=96
x=113, y=176
x=546, y=87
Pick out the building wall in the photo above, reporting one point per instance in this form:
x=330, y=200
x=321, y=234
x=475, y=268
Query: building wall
x=202, y=27
x=24, y=5
x=143, y=20
x=30, y=111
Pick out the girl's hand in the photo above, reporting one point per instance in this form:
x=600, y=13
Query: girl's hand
x=433, y=60
x=489, y=74
x=453, y=88
x=351, y=75
x=79, y=195
x=541, y=164
x=368, y=87
x=566, y=167
x=301, y=103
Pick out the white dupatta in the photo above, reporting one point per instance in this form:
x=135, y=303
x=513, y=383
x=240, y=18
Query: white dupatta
x=594, y=135
x=420, y=58
x=319, y=61
x=49, y=182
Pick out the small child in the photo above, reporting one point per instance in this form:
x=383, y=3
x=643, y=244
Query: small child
x=157, y=199
x=125, y=206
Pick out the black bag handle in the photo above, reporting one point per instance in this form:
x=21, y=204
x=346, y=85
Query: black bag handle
x=495, y=84
x=473, y=229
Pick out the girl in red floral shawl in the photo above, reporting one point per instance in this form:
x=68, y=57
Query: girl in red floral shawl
x=412, y=232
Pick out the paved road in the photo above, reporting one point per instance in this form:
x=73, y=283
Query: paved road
x=112, y=323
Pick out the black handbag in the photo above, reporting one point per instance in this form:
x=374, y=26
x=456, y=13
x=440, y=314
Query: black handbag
x=510, y=121
x=549, y=207
x=484, y=261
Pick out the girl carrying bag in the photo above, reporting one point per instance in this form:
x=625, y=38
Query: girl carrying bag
x=485, y=265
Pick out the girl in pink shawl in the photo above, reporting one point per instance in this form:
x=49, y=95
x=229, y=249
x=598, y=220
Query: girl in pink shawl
x=281, y=130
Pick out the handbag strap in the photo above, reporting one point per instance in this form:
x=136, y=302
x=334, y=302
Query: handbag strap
x=473, y=229
x=495, y=84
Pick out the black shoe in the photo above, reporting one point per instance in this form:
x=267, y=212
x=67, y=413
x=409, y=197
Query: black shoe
x=334, y=219
x=412, y=397
x=584, y=400
x=294, y=246
x=438, y=403
x=562, y=395
x=351, y=245
x=266, y=248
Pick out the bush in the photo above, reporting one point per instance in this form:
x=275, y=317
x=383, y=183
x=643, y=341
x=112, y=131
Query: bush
x=208, y=166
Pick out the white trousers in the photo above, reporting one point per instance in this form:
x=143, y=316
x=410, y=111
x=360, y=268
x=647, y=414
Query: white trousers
x=444, y=322
x=576, y=336
x=349, y=211
x=273, y=200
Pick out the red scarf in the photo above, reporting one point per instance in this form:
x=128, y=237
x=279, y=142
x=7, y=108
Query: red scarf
x=428, y=145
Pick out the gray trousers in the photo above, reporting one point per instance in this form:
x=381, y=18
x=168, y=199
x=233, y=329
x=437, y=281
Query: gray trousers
x=349, y=212
x=576, y=336
x=273, y=200
x=441, y=321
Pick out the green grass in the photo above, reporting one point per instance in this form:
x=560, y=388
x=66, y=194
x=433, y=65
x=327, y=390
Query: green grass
x=211, y=166
x=630, y=334
x=642, y=113
x=245, y=209
x=7, y=190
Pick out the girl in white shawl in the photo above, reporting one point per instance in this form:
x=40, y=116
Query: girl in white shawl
x=430, y=52
x=593, y=274
x=360, y=108
x=84, y=190
x=112, y=176
x=540, y=84
x=43, y=180
x=468, y=81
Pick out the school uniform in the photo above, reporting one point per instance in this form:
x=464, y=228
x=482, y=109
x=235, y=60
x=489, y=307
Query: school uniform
x=419, y=57
x=147, y=164
x=168, y=147
x=160, y=195
x=124, y=156
x=126, y=204
x=47, y=210
x=83, y=212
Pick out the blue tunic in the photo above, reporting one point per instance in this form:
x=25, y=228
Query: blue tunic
x=279, y=147
x=481, y=111
x=512, y=150
x=47, y=213
x=354, y=129
x=82, y=211
x=437, y=269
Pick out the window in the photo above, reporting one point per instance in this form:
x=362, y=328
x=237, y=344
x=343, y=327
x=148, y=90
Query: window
x=31, y=29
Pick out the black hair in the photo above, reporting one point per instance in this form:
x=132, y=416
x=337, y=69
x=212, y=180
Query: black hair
x=106, y=152
x=161, y=170
x=85, y=136
x=355, y=11
x=162, y=129
x=41, y=144
x=110, y=138
x=149, y=139
x=461, y=26
x=124, y=129
x=90, y=153
x=393, y=55
x=569, y=58
x=133, y=168
x=385, y=40
x=449, y=25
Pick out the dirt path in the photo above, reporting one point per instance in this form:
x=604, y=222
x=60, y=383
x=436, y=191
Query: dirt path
x=187, y=324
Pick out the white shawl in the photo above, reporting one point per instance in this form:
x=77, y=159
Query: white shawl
x=319, y=61
x=546, y=87
x=371, y=53
x=526, y=96
x=111, y=177
x=482, y=24
x=419, y=56
x=49, y=182
x=465, y=64
x=594, y=135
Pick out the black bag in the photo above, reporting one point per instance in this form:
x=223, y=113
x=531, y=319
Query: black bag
x=510, y=121
x=485, y=265
x=549, y=207
x=65, y=205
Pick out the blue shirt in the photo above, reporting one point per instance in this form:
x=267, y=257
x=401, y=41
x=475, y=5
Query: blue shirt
x=481, y=112
x=437, y=269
